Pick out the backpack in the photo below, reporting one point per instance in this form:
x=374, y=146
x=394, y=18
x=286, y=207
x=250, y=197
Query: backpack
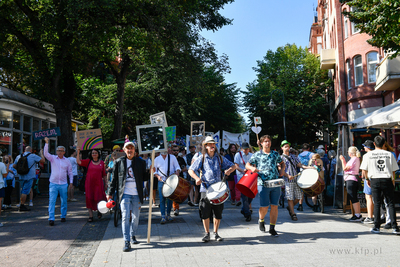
x=22, y=164
x=304, y=158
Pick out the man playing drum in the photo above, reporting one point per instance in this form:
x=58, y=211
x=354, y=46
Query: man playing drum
x=265, y=162
x=211, y=164
x=292, y=190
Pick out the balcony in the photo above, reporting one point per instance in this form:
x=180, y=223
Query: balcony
x=328, y=59
x=388, y=74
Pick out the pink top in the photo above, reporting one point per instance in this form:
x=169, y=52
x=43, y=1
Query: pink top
x=354, y=164
x=60, y=168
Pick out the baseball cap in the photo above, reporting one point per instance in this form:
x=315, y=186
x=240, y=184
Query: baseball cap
x=369, y=144
x=284, y=142
x=116, y=147
x=245, y=145
x=129, y=144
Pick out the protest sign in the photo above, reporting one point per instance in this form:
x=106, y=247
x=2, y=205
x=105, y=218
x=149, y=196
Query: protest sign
x=89, y=139
x=46, y=133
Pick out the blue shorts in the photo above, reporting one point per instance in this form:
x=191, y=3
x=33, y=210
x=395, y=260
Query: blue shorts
x=3, y=192
x=269, y=195
x=26, y=186
x=367, y=189
x=75, y=182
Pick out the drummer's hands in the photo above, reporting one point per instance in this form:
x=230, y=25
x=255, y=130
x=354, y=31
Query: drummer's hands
x=254, y=169
x=198, y=181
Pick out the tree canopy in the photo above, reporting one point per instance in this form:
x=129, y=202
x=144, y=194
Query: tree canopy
x=379, y=19
x=294, y=72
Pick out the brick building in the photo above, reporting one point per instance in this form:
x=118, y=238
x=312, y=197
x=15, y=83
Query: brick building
x=364, y=78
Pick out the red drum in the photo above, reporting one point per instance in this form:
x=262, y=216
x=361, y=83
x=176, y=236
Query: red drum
x=176, y=188
x=311, y=183
x=248, y=184
x=217, y=193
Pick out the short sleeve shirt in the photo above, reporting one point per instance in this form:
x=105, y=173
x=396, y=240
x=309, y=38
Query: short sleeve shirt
x=32, y=160
x=290, y=168
x=379, y=164
x=267, y=164
x=3, y=170
x=211, y=169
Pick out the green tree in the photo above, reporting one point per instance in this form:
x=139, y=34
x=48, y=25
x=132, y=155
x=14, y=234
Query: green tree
x=296, y=73
x=379, y=19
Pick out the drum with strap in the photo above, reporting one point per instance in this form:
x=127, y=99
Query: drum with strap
x=217, y=193
x=176, y=188
x=310, y=181
x=247, y=185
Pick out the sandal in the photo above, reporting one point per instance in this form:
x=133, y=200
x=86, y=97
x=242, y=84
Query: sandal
x=90, y=219
x=99, y=215
x=294, y=217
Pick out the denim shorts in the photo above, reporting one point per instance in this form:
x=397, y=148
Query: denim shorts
x=3, y=192
x=26, y=186
x=367, y=189
x=269, y=195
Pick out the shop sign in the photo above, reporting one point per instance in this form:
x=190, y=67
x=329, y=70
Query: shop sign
x=46, y=133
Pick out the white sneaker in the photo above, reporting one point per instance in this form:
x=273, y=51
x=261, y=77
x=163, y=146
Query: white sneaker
x=18, y=205
x=30, y=204
x=1, y=225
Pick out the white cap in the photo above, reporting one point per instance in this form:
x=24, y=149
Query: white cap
x=209, y=139
x=129, y=144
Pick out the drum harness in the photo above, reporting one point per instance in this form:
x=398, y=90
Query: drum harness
x=294, y=166
x=166, y=176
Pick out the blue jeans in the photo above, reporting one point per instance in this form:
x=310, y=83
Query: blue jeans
x=163, y=200
x=54, y=190
x=130, y=203
x=246, y=205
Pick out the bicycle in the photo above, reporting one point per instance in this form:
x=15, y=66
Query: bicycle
x=320, y=201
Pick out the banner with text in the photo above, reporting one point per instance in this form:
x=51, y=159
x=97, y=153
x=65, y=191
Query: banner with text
x=89, y=139
x=46, y=133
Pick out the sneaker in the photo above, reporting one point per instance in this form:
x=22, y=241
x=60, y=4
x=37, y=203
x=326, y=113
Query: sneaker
x=22, y=207
x=163, y=220
x=169, y=218
x=127, y=246
x=233, y=202
x=368, y=220
x=375, y=230
x=261, y=225
x=30, y=204
x=51, y=223
x=73, y=200
x=396, y=231
x=154, y=205
x=176, y=212
x=217, y=237
x=387, y=226
x=248, y=218
x=300, y=207
x=356, y=219
x=238, y=203
x=1, y=225
x=63, y=220
x=196, y=204
x=18, y=205
x=273, y=232
x=134, y=241
x=206, y=238
x=190, y=203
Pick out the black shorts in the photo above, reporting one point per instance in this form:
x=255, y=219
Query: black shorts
x=206, y=208
x=352, y=187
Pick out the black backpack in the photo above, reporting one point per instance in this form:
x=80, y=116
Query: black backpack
x=22, y=164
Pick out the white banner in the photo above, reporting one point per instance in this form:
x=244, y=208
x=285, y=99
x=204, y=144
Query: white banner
x=217, y=139
x=234, y=138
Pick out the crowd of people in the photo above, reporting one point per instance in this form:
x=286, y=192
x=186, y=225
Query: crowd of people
x=125, y=176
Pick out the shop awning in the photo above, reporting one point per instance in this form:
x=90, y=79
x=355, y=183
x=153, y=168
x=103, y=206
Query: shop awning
x=384, y=118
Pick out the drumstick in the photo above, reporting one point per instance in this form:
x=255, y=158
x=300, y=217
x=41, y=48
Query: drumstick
x=256, y=133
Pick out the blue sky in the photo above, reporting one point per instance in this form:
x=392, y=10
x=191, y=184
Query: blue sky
x=259, y=26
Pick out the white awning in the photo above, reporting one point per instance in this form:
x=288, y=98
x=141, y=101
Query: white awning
x=385, y=118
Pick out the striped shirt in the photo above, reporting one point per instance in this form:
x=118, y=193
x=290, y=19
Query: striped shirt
x=290, y=168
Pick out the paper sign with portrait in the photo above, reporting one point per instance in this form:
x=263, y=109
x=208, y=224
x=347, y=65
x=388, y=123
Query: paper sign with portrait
x=198, y=128
x=151, y=137
x=159, y=118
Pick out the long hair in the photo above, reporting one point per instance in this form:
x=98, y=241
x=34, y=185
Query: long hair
x=229, y=150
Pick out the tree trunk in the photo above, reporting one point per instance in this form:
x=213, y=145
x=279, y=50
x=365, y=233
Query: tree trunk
x=120, y=77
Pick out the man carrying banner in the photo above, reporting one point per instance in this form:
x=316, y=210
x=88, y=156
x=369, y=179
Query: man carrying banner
x=265, y=162
x=211, y=164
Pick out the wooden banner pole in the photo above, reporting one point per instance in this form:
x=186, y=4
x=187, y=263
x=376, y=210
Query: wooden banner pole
x=151, y=195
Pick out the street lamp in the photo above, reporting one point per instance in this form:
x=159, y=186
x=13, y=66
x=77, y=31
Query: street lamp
x=272, y=106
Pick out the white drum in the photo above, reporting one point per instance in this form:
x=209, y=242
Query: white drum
x=310, y=182
x=217, y=193
x=274, y=183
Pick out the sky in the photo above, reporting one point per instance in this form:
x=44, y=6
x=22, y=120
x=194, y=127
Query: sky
x=259, y=26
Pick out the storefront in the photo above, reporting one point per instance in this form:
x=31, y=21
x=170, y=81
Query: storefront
x=20, y=116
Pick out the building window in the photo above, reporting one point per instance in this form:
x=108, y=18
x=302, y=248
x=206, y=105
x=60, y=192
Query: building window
x=358, y=71
x=346, y=27
x=372, y=60
x=348, y=70
x=27, y=124
x=354, y=28
x=319, y=48
x=17, y=122
x=5, y=119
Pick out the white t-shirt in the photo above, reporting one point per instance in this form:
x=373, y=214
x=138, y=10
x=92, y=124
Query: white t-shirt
x=130, y=182
x=74, y=165
x=3, y=170
x=239, y=160
x=379, y=164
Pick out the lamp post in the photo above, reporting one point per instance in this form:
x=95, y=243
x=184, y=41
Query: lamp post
x=272, y=105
